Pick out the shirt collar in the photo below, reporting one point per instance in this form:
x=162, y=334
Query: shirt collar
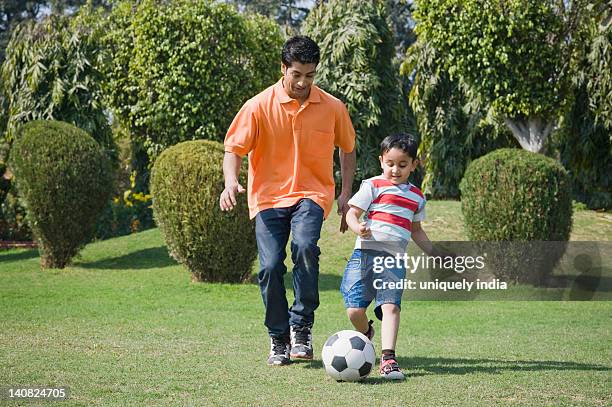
x=313, y=97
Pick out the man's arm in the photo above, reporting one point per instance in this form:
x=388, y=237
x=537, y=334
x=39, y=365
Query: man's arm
x=348, y=162
x=231, y=170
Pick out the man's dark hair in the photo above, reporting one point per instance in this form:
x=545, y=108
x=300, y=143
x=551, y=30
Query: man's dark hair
x=403, y=141
x=300, y=49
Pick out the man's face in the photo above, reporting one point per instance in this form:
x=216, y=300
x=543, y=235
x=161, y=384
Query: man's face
x=298, y=78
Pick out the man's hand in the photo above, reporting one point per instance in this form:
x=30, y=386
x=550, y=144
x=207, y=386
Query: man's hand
x=343, y=208
x=227, y=200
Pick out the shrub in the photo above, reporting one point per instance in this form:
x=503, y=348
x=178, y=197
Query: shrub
x=511, y=194
x=65, y=179
x=516, y=195
x=186, y=182
x=49, y=73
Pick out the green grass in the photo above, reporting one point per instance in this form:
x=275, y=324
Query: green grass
x=125, y=326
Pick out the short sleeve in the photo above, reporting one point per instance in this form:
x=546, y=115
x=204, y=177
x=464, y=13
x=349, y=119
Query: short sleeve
x=344, y=133
x=364, y=197
x=242, y=133
x=420, y=214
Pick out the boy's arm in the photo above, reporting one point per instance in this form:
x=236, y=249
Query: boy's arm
x=352, y=220
x=420, y=238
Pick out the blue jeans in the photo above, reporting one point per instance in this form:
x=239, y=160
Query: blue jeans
x=361, y=279
x=272, y=228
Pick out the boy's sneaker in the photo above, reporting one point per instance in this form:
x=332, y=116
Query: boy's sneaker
x=301, y=342
x=389, y=369
x=370, y=332
x=279, y=351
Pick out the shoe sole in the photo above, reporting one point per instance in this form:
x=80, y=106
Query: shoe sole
x=393, y=376
x=279, y=363
x=300, y=356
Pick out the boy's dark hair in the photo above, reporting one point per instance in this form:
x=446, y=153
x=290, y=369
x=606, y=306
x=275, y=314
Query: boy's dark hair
x=301, y=49
x=403, y=141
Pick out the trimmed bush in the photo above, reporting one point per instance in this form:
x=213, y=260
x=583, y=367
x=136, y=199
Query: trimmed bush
x=186, y=182
x=511, y=194
x=65, y=180
x=516, y=195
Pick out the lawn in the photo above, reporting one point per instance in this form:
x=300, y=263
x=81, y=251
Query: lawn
x=125, y=326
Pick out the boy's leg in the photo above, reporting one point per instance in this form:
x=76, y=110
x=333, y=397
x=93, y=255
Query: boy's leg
x=272, y=233
x=357, y=291
x=389, y=326
x=306, y=222
x=359, y=319
x=389, y=368
x=388, y=303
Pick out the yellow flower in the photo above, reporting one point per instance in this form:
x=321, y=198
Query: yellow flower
x=126, y=196
x=133, y=179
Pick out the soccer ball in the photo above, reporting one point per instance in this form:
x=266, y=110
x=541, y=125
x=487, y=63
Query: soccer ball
x=348, y=356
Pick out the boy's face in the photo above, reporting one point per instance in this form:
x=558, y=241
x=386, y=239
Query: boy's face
x=397, y=165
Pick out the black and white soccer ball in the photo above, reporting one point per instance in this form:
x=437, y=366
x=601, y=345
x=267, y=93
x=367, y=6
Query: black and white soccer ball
x=348, y=356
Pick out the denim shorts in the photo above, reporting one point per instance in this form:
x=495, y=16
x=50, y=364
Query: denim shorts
x=362, y=283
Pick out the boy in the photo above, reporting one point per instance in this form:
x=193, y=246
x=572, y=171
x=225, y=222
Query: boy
x=393, y=209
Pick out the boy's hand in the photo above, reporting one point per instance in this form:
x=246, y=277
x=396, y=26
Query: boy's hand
x=364, y=231
x=227, y=200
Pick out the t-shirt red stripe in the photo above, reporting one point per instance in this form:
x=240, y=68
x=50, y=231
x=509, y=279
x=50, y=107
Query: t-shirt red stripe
x=390, y=218
x=397, y=200
x=382, y=183
x=416, y=191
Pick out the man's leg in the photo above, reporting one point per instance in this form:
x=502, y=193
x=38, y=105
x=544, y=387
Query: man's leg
x=272, y=228
x=306, y=222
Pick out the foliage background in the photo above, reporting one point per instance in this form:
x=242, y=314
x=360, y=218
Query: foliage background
x=357, y=49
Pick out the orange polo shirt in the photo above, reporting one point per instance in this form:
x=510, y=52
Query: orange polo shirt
x=290, y=147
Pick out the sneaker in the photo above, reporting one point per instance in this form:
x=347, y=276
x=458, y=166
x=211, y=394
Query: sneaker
x=389, y=369
x=301, y=342
x=279, y=351
x=370, y=332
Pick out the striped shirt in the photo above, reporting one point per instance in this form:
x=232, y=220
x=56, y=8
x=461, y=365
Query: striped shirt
x=389, y=211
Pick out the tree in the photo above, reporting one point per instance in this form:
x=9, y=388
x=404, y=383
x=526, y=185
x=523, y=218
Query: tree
x=287, y=13
x=583, y=141
x=50, y=73
x=356, y=66
x=402, y=24
x=451, y=137
x=513, y=56
x=13, y=12
x=598, y=70
x=180, y=70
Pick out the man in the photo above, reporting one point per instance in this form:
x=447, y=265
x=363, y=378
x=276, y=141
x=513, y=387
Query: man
x=289, y=132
